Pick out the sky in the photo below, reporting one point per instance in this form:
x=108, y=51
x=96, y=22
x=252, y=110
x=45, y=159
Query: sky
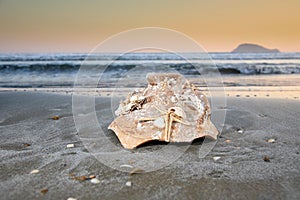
x=78, y=25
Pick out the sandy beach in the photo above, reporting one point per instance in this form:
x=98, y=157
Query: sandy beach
x=249, y=166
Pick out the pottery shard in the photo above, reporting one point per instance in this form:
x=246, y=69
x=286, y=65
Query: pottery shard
x=168, y=109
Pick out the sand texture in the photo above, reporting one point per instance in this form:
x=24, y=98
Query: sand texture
x=249, y=167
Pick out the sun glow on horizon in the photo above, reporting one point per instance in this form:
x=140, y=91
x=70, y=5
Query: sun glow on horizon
x=219, y=26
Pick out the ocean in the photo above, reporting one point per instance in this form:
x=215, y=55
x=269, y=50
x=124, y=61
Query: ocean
x=60, y=70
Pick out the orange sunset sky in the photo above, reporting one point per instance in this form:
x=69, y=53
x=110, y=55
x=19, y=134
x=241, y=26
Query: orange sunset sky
x=78, y=26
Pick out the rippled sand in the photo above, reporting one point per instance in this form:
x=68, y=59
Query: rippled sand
x=248, y=166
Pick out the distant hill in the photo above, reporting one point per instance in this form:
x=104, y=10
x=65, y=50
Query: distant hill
x=253, y=48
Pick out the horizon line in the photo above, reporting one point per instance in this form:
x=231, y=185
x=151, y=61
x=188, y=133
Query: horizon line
x=70, y=52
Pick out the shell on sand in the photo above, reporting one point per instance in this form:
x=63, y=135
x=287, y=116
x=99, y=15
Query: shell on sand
x=168, y=109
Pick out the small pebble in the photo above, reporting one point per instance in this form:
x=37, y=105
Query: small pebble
x=95, y=181
x=240, y=131
x=271, y=140
x=70, y=145
x=216, y=158
x=128, y=183
x=267, y=159
x=35, y=171
x=92, y=176
x=44, y=191
x=27, y=145
x=227, y=141
x=127, y=166
x=71, y=198
x=55, y=117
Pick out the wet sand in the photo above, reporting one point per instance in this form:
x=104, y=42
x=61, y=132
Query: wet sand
x=248, y=167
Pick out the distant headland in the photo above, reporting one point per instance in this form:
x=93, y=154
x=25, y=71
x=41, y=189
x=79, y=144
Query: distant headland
x=253, y=48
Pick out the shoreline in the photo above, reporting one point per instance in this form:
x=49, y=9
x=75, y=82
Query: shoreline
x=269, y=92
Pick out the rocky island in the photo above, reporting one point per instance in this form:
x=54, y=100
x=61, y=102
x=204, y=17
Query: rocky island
x=253, y=48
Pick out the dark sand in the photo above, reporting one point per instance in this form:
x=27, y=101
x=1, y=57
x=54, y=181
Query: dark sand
x=240, y=173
